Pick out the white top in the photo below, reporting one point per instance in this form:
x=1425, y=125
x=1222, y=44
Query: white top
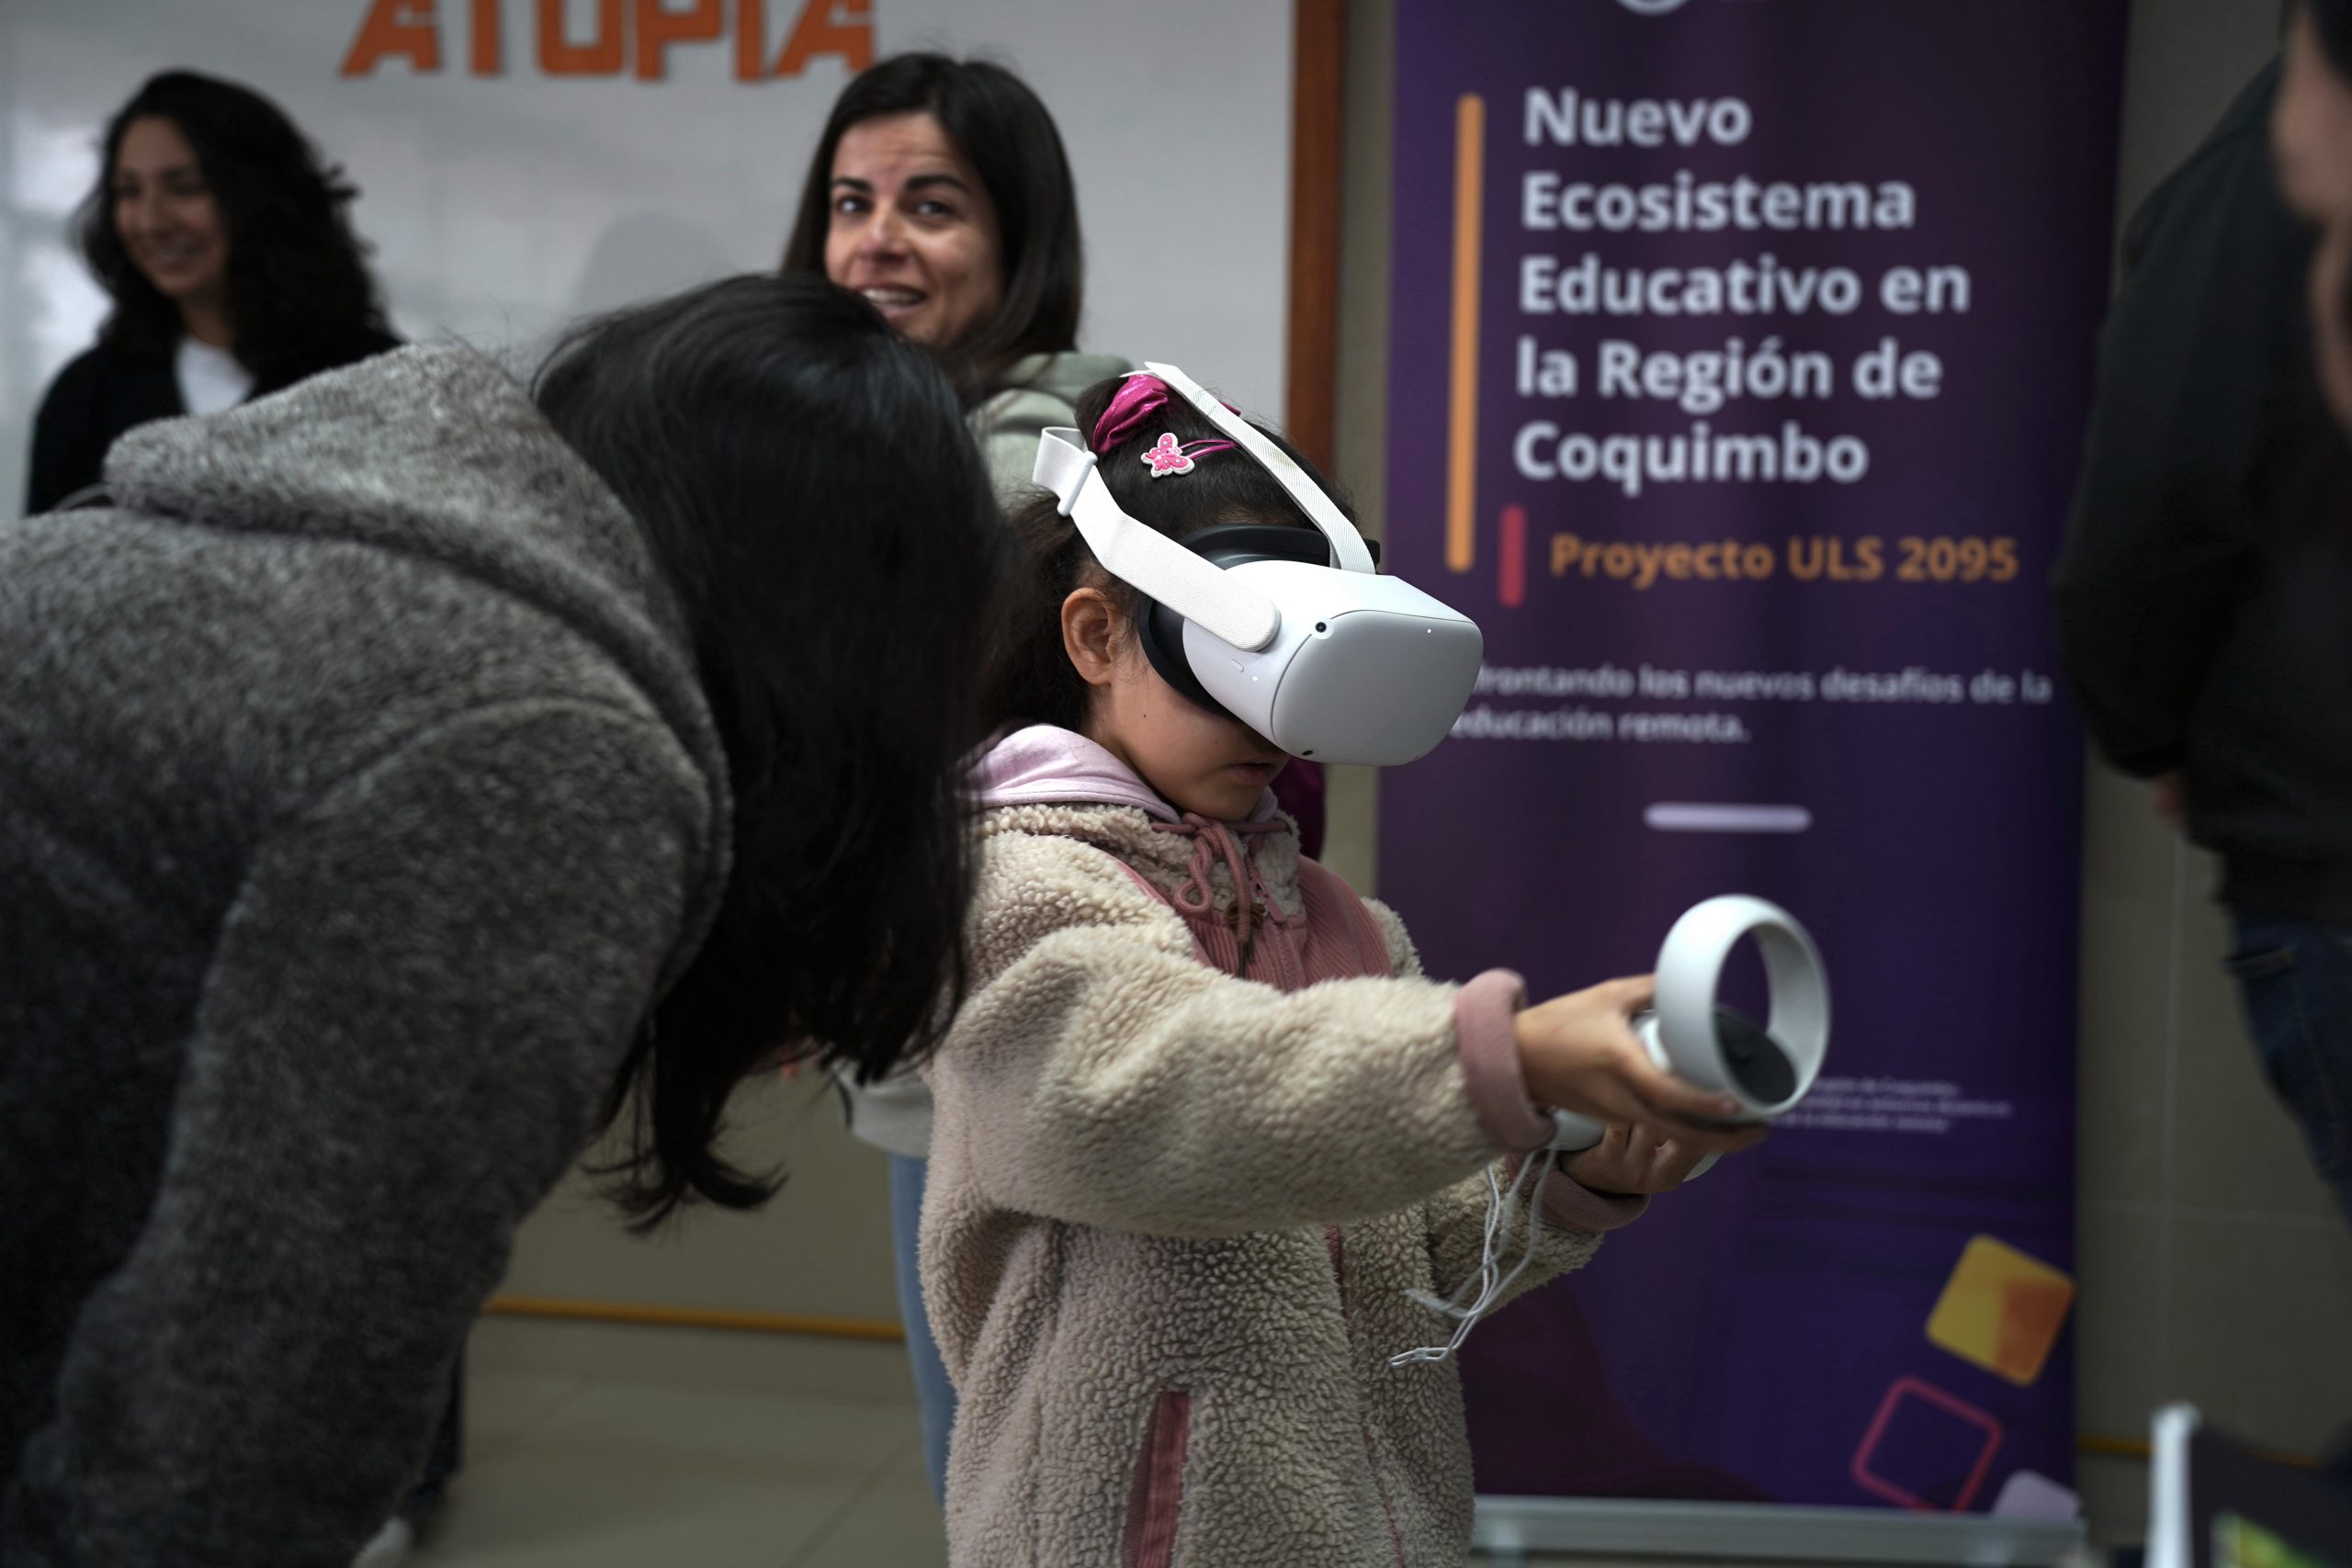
x=210, y=379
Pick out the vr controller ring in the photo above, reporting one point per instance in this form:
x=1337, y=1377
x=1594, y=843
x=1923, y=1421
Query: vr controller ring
x=1767, y=1068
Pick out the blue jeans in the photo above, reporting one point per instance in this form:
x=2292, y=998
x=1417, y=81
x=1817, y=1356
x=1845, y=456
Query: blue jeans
x=2295, y=979
x=934, y=1393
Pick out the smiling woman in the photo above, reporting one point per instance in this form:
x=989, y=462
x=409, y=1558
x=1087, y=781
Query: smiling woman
x=913, y=229
x=940, y=191
x=221, y=237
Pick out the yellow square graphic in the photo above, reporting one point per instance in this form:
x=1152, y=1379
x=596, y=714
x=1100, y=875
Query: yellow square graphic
x=2002, y=1310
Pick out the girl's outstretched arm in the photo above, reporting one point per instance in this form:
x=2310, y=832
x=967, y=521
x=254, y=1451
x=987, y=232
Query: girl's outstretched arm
x=1100, y=1073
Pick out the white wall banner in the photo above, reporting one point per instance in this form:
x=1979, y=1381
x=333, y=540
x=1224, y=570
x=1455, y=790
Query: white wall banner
x=523, y=161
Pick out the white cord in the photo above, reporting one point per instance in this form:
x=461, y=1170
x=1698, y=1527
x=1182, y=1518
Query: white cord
x=1490, y=1283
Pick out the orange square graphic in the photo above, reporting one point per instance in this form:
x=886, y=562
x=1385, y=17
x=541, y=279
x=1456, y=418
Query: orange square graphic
x=2002, y=1310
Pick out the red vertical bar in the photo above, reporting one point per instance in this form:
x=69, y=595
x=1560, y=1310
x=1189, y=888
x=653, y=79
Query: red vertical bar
x=1511, y=560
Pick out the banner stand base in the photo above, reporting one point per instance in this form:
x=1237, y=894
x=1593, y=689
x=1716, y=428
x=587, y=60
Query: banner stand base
x=1510, y=1527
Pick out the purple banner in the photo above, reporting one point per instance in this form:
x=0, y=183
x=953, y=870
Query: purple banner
x=1740, y=351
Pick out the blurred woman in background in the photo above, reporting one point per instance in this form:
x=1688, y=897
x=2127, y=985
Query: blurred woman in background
x=222, y=239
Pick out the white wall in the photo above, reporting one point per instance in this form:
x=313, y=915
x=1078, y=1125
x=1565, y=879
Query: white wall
x=501, y=205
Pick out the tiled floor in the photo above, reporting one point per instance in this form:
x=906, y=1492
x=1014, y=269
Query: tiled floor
x=601, y=1446
x=638, y=1447
x=593, y=1447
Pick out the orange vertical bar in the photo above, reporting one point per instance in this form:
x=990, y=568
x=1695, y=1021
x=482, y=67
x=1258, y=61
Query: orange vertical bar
x=1462, y=446
x=1311, y=357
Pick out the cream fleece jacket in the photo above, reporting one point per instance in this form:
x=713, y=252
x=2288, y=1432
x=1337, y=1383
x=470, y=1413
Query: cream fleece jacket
x=1172, y=1215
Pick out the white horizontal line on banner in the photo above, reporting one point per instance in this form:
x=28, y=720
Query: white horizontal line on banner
x=1765, y=1532
x=1680, y=817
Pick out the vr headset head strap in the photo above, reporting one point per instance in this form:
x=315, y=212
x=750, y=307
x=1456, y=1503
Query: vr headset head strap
x=1196, y=589
x=1347, y=545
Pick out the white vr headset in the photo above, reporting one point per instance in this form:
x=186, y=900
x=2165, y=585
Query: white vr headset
x=1293, y=633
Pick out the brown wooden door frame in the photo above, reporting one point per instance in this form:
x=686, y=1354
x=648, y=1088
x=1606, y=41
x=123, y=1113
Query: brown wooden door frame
x=1311, y=354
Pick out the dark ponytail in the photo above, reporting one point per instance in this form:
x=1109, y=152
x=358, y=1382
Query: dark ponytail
x=805, y=477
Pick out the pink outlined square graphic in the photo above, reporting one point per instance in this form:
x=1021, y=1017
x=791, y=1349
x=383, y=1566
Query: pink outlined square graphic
x=1910, y=1388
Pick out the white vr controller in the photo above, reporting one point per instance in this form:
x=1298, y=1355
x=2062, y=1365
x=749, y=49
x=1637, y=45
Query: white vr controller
x=1765, y=1067
x=1325, y=657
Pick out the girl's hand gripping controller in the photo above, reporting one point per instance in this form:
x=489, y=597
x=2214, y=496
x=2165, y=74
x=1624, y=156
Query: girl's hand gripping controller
x=1767, y=1068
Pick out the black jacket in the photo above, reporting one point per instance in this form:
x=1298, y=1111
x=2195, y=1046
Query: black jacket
x=111, y=389
x=2204, y=593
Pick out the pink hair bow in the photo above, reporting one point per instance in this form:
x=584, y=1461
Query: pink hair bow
x=1141, y=396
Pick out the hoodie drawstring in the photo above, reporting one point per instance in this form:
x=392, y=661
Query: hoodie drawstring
x=1251, y=903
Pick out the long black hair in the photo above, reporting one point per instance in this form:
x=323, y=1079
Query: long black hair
x=1006, y=134
x=300, y=297
x=804, y=476
x=1031, y=679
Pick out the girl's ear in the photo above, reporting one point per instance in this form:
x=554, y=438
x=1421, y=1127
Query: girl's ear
x=1090, y=635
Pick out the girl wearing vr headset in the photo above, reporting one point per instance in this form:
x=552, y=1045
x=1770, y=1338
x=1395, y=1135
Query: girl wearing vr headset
x=1202, y=1124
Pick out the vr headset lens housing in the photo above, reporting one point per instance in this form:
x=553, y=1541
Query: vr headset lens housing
x=1290, y=631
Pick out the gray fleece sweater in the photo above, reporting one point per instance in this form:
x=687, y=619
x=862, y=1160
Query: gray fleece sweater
x=357, y=795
